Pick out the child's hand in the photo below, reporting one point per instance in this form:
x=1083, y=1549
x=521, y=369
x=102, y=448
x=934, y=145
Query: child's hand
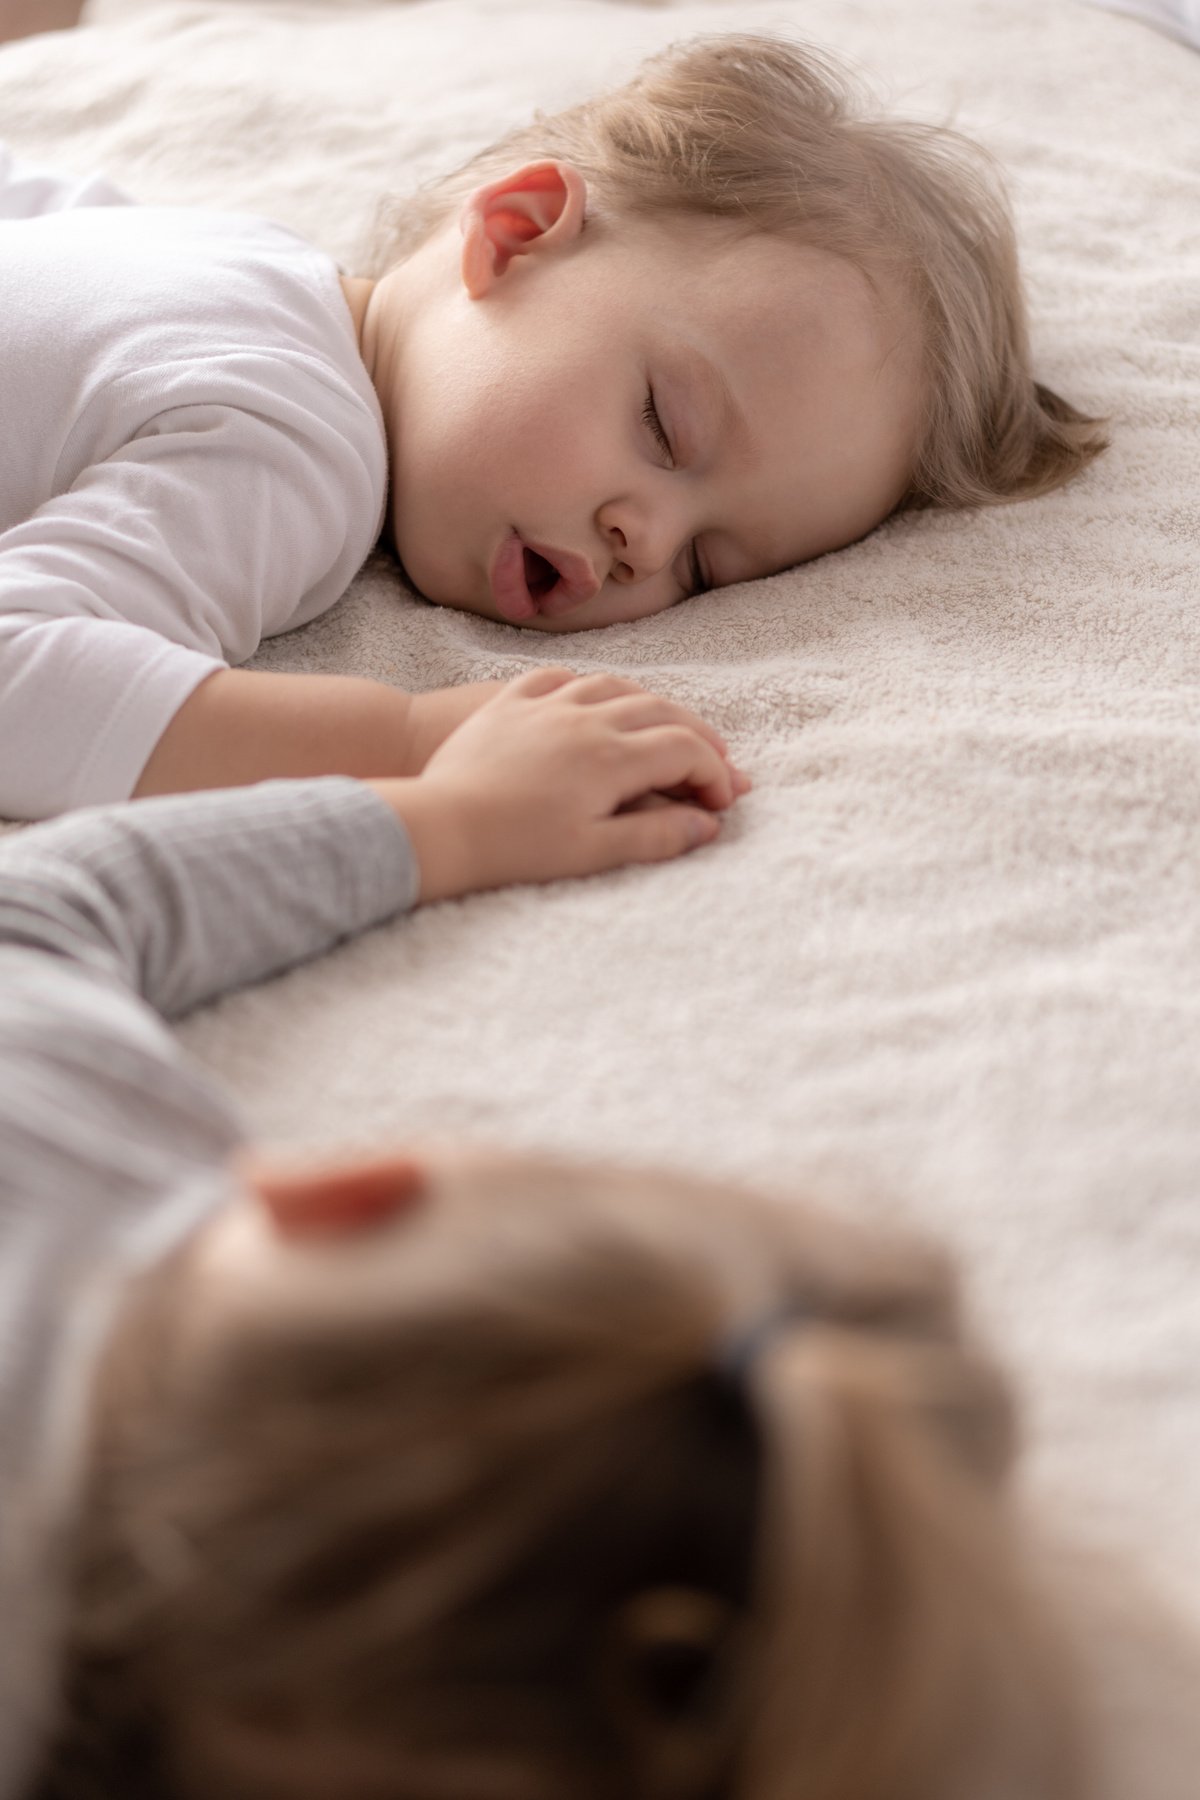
x=551, y=778
x=432, y=717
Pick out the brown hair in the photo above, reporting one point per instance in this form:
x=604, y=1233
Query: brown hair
x=781, y=138
x=641, y=1490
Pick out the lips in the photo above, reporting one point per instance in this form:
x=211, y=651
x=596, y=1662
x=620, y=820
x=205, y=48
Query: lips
x=529, y=580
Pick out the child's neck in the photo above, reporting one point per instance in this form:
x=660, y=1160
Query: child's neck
x=358, y=291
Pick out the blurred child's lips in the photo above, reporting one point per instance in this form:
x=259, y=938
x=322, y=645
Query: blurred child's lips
x=510, y=590
x=509, y=579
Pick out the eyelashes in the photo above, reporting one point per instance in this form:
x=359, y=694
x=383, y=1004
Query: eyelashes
x=650, y=415
x=699, y=585
x=655, y=425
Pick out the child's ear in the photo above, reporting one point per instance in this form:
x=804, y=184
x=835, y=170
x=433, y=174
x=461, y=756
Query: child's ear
x=338, y=1200
x=536, y=208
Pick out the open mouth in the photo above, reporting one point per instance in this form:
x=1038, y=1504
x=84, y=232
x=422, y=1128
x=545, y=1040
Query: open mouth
x=540, y=575
x=525, y=582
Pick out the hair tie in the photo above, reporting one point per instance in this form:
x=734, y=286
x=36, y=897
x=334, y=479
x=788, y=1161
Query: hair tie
x=741, y=1350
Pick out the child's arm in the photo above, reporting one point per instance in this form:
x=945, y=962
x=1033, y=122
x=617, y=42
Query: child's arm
x=243, y=725
x=172, y=902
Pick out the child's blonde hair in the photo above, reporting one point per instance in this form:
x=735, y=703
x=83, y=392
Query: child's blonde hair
x=642, y=1490
x=779, y=138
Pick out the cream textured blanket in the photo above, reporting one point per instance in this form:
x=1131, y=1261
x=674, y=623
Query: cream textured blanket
x=944, y=965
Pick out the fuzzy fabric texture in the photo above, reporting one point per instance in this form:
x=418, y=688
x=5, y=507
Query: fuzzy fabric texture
x=943, y=965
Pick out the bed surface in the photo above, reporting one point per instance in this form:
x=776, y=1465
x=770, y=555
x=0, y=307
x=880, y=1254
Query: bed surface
x=944, y=965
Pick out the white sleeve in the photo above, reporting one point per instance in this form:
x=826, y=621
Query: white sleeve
x=82, y=704
x=1181, y=18
x=27, y=189
x=167, y=561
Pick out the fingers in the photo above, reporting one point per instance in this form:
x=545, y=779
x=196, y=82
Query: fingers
x=593, y=690
x=636, y=711
x=681, y=740
x=648, y=834
x=664, y=758
x=540, y=681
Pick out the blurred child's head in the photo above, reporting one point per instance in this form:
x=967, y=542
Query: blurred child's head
x=565, y=332
x=540, y=1481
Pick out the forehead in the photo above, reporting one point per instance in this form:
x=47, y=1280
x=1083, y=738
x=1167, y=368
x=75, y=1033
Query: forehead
x=745, y=277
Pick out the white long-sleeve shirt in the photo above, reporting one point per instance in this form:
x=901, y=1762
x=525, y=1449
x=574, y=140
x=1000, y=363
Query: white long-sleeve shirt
x=112, y=1145
x=192, y=458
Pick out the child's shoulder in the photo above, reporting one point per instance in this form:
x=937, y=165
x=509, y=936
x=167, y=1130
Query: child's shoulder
x=116, y=315
x=174, y=305
x=167, y=267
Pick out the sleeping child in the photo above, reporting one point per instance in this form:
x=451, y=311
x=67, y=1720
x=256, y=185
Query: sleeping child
x=627, y=354
x=440, y=1474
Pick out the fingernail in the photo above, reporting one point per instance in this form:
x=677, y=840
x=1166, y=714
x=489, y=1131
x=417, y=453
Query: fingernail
x=701, y=829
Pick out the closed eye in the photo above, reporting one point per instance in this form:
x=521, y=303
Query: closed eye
x=699, y=585
x=650, y=415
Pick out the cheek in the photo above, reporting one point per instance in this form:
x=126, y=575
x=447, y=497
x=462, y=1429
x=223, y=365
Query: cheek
x=640, y=603
x=548, y=428
x=546, y=404
x=526, y=445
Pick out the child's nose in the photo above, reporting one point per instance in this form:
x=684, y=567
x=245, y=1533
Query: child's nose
x=641, y=548
x=618, y=550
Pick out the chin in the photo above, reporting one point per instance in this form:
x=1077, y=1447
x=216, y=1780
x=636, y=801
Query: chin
x=421, y=585
x=560, y=627
x=437, y=589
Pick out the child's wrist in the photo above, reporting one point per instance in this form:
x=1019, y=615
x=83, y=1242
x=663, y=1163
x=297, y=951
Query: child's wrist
x=433, y=716
x=440, y=835
x=420, y=740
